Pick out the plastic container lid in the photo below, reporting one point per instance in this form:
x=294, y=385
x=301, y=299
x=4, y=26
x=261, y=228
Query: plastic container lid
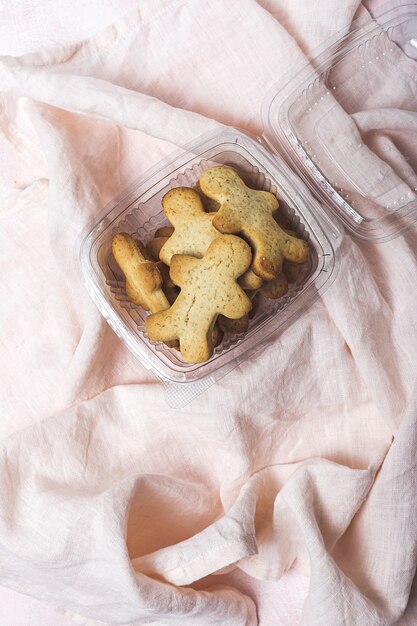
x=341, y=118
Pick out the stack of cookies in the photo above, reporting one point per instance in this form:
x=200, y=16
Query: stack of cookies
x=199, y=277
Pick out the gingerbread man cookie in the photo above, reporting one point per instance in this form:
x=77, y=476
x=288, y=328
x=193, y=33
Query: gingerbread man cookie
x=143, y=278
x=250, y=212
x=208, y=288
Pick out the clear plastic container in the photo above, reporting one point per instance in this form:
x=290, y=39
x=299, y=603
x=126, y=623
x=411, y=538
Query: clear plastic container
x=314, y=119
x=313, y=204
x=140, y=213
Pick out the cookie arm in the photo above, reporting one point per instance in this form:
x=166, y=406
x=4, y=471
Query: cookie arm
x=295, y=250
x=238, y=306
x=270, y=201
x=227, y=221
x=162, y=326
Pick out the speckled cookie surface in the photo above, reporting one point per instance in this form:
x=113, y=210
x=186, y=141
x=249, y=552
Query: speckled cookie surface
x=143, y=278
x=208, y=288
x=250, y=212
x=193, y=227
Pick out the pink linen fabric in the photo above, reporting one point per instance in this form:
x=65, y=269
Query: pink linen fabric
x=115, y=508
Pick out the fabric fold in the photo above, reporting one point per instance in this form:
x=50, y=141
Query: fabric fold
x=114, y=506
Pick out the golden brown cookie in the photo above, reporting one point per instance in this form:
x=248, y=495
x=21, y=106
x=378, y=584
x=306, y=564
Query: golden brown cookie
x=275, y=289
x=250, y=212
x=143, y=278
x=208, y=288
x=193, y=229
x=240, y=325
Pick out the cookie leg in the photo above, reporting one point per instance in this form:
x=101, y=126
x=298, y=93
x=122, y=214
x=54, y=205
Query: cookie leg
x=196, y=345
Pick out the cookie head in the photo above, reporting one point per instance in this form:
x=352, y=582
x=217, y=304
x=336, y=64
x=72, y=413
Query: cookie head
x=182, y=204
x=193, y=227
